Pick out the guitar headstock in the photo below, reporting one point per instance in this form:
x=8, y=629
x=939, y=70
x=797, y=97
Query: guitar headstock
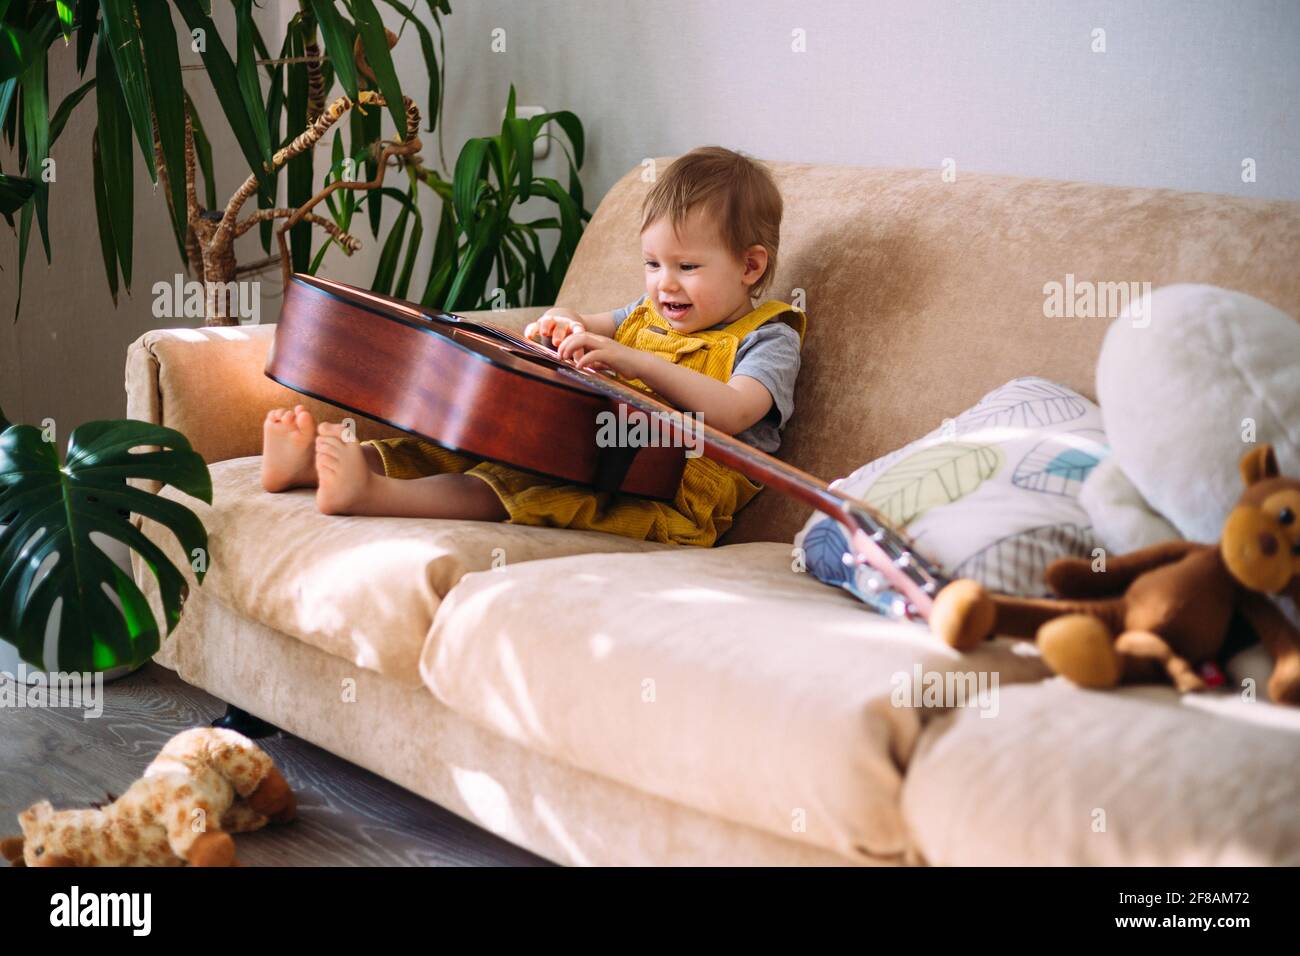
x=895, y=564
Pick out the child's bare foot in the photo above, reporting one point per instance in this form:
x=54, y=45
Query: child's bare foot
x=288, y=449
x=344, y=476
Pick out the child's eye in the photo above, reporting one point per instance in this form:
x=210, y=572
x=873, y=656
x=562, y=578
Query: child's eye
x=689, y=267
x=651, y=264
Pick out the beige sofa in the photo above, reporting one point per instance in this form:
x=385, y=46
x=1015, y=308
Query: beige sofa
x=603, y=701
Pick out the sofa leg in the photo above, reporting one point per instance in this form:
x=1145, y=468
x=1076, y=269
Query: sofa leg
x=245, y=723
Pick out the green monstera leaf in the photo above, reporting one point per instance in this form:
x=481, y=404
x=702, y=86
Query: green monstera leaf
x=49, y=509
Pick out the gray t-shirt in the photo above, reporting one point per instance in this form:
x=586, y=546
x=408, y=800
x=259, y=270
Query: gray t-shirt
x=769, y=354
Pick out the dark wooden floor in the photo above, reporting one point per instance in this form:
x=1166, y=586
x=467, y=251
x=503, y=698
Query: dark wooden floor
x=347, y=816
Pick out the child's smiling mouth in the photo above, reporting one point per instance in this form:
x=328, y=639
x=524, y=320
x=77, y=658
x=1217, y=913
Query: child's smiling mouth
x=674, y=310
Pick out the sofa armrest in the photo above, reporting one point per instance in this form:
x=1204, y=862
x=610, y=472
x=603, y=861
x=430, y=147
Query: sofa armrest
x=209, y=384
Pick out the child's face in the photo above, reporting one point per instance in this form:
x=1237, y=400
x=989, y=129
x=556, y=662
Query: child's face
x=692, y=278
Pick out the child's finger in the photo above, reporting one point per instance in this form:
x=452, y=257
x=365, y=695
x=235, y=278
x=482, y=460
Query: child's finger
x=571, y=349
x=566, y=329
x=567, y=346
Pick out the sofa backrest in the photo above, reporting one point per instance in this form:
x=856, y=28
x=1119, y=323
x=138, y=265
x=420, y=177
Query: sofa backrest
x=923, y=294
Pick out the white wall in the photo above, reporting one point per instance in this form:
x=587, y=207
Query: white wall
x=1183, y=92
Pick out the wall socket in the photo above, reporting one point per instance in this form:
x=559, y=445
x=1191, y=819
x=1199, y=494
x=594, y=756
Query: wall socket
x=542, y=145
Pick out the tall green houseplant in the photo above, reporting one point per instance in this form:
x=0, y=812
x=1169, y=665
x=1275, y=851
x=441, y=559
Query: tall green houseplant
x=478, y=236
x=140, y=98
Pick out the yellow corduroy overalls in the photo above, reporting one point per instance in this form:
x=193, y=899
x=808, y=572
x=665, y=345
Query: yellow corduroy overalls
x=709, y=496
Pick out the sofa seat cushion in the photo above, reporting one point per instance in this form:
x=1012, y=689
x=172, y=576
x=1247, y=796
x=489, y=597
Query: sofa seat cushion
x=718, y=678
x=362, y=588
x=1133, y=777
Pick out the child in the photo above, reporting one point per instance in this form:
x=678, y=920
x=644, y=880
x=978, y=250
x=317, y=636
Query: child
x=709, y=236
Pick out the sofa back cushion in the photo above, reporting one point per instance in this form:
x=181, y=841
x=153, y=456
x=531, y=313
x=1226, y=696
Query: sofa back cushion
x=922, y=295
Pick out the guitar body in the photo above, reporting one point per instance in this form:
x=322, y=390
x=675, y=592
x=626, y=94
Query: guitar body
x=476, y=389
x=466, y=386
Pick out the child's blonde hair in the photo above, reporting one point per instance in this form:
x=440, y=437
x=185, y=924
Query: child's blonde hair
x=739, y=192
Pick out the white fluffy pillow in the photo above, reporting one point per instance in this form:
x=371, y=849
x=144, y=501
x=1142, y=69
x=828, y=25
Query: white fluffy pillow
x=1121, y=517
x=1180, y=388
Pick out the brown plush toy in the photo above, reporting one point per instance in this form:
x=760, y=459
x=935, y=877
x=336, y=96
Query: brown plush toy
x=1157, y=613
x=204, y=785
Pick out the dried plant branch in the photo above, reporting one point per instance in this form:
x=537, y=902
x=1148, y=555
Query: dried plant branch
x=194, y=251
x=225, y=233
x=210, y=235
x=408, y=146
x=193, y=247
x=315, y=81
x=192, y=207
x=350, y=243
x=274, y=61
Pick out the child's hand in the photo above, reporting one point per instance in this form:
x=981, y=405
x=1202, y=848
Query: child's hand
x=589, y=350
x=555, y=324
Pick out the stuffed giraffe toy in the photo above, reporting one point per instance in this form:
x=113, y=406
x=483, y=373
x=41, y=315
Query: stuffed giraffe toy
x=1157, y=613
x=204, y=785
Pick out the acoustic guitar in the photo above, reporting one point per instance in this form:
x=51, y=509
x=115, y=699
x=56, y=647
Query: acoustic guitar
x=479, y=390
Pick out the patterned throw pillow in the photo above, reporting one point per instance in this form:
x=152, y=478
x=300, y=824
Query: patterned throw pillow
x=990, y=495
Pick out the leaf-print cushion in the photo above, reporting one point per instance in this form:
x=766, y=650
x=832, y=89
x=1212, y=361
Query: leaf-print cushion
x=990, y=495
